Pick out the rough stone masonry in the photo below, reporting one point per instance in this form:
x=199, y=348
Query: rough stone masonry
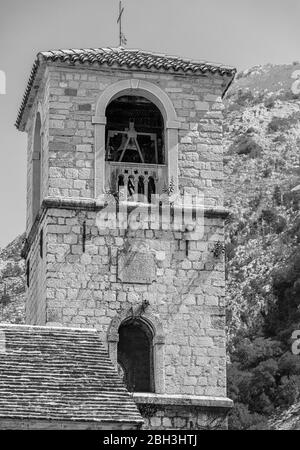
x=75, y=269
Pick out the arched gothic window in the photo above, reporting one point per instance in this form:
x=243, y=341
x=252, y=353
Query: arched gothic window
x=36, y=167
x=135, y=356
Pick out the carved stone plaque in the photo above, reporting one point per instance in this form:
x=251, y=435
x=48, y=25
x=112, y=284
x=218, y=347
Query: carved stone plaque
x=136, y=267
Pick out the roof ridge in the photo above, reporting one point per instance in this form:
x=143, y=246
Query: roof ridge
x=46, y=327
x=122, y=57
x=121, y=49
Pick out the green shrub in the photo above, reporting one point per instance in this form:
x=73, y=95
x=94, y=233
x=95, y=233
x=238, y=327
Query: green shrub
x=285, y=311
x=245, y=145
x=277, y=124
x=263, y=386
x=238, y=383
x=267, y=172
x=251, y=353
x=244, y=97
x=239, y=75
x=288, y=391
x=230, y=250
x=269, y=102
x=277, y=196
x=4, y=299
x=12, y=270
x=279, y=139
x=240, y=418
x=288, y=95
x=292, y=200
x=282, y=123
x=274, y=221
x=289, y=364
x=251, y=130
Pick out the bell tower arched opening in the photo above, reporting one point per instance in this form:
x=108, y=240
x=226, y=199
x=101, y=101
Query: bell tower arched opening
x=135, y=148
x=127, y=115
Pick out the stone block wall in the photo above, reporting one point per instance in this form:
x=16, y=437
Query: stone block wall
x=69, y=99
x=83, y=289
x=35, y=308
x=171, y=412
x=182, y=418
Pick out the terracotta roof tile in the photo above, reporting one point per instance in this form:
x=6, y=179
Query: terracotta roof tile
x=60, y=374
x=128, y=57
x=121, y=57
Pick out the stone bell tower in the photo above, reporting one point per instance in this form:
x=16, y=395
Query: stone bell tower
x=118, y=139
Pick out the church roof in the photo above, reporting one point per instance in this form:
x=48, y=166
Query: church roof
x=130, y=58
x=121, y=58
x=60, y=374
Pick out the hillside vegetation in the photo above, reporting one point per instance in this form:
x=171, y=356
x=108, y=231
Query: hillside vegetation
x=12, y=283
x=261, y=164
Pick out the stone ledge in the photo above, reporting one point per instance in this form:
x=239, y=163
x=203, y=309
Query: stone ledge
x=71, y=203
x=95, y=205
x=182, y=400
x=89, y=204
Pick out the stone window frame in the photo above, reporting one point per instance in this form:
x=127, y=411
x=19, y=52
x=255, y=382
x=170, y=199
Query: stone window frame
x=157, y=96
x=146, y=330
x=158, y=342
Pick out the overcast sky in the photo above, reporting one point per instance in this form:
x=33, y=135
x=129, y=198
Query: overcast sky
x=241, y=33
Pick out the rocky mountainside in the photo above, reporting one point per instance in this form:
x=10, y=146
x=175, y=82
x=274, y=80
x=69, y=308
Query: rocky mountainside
x=12, y=283
x=287, y=419
x=262, y=175
x=262, y=166
x=262, y=172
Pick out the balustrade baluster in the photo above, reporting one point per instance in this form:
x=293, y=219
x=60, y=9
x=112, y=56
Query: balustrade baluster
x=146, y=181
x=142, y=179
x=126, y=186
x=136, y=184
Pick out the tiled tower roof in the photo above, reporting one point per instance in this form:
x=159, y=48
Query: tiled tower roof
x=133, y=59
x=121, y=58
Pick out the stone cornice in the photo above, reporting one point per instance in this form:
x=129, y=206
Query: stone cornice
x=32, y=233
x=182, y=400
x=88, y=204
x=95, y=205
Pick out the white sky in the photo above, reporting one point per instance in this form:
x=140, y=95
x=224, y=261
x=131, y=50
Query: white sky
x=241, y=33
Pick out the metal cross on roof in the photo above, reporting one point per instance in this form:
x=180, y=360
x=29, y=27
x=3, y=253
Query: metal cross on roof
x=122, y=38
